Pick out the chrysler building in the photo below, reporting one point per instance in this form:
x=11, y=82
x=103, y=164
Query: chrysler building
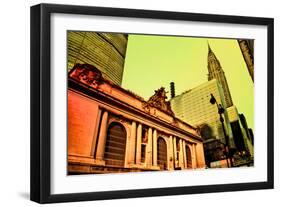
x=216, y=72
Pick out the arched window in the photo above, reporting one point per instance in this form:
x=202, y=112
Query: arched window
x=162, y=153
x=188, y=156
x=115, y=147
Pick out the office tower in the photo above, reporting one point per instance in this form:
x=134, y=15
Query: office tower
x=216, y=72
x=194, y=107
x=105, y=51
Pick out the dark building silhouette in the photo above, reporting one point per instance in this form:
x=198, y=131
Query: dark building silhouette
x=249, y=131
x=237, y=136
x=172, y=88
x=251, y=135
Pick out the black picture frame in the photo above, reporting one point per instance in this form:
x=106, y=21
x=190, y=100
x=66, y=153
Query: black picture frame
x=41, y=96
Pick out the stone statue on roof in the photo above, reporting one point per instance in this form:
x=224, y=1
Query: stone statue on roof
x=158, y=100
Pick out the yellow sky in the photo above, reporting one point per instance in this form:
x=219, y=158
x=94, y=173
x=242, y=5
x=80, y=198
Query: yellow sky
x=155, y=61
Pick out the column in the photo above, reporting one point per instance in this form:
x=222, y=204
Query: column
x=171, y=154
x=102, y=136
x=154, y=147
x=148, y=155
x=194, y=162
x=132, y=143
x=175, y=151
x=95, y=136
x=181, y=155
x=138, y=152
x=184, y=154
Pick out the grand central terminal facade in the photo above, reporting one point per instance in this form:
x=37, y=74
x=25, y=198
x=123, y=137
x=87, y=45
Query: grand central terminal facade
x=111, y=129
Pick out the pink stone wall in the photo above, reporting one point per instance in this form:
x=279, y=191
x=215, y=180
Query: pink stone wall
x=82, y=119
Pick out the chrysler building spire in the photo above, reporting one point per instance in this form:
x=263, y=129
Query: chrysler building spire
x=216, y=72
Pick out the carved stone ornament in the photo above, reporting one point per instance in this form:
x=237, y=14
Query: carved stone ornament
x=145, y=106
x=158, y=100
x=87, y=74
x=175, y=122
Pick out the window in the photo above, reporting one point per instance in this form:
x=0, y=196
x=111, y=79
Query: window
x=162, y=153
x=188, y=157
x=143, y=153
x=115, y=147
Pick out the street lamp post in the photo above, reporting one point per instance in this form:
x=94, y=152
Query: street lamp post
x=220, y=112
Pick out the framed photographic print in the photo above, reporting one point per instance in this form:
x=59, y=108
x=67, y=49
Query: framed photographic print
x=132, y=103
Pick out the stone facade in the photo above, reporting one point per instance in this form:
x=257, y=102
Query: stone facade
x=111, y=129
